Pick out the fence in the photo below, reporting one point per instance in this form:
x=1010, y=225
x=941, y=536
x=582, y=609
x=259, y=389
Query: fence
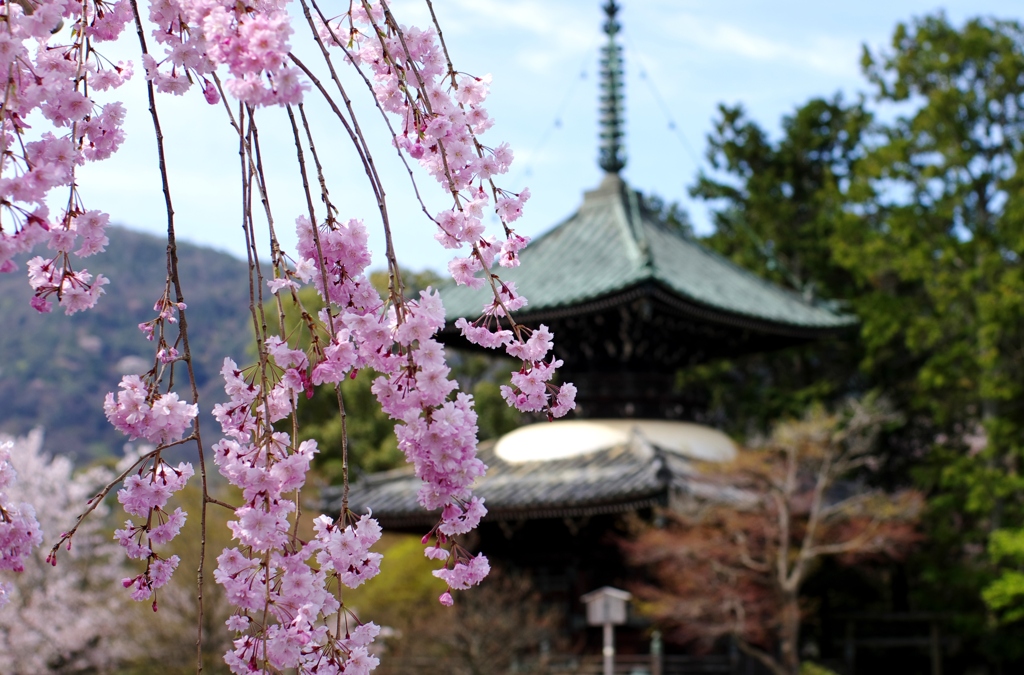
x=644, y=665
x=558, y=664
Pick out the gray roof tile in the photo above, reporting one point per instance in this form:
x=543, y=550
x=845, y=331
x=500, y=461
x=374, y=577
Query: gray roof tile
x=616, y=479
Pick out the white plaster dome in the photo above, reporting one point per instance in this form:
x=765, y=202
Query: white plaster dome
x=573, y=438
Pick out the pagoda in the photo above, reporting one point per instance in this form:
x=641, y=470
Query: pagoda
x=631, y=300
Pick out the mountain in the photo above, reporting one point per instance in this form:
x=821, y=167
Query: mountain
x=56, y=369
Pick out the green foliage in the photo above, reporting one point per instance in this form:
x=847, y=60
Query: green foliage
x=932, y=231
x=496, y=628
x=933, y=222
x=912, y=211
x=670, y=214
x=1005, y=595
x=494, y=417
x=776, y=207
x=808, y=668
x=404, y=590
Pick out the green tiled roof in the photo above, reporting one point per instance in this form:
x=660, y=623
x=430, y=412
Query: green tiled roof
x=611, y=244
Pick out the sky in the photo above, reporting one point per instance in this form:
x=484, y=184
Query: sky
x=683, y=58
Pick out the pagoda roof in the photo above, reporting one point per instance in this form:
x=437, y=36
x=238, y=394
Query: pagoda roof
x=641, y=464
x=613, y=245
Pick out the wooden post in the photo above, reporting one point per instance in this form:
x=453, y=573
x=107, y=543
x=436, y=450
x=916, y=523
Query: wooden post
x=656, y=652
x=936, y=648
x=850, y=649
x=609, y=649
x=607, y=607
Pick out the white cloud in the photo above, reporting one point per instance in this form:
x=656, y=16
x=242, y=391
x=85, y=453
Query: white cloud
x=545, y=33
x=828, y=54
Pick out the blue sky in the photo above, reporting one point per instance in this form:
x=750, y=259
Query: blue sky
x=771, y=57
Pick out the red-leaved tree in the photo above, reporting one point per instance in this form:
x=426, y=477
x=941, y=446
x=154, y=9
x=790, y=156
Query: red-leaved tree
x=733, y=565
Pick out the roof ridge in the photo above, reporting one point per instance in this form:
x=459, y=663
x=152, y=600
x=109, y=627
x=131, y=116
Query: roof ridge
x=636, y=223
x=622, y=201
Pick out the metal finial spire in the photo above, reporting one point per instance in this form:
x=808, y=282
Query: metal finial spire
x=611, y=156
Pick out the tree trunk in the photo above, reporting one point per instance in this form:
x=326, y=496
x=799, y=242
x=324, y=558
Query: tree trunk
x=789, y=633
x=766, y=659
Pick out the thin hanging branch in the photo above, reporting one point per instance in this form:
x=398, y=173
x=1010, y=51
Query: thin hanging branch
x=174, y=278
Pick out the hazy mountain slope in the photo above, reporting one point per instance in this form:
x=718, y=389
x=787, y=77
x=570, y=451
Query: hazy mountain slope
x=55, y=369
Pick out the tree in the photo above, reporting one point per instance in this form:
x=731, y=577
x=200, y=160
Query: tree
x=72, y=622
x=777, y=202
x=1005, y=595
x=776, y=207
x=933, y=231
x=734, y=565
x=916, y=223
x=932, y=223
x=285, y=577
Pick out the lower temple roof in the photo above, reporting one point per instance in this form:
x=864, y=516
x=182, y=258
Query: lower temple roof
x=639, y=464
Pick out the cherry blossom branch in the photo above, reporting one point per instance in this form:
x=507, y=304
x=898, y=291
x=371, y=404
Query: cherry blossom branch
x=323, y=187
x=324, y=193
x=392, y=336
x=309, y=204
x=172, y=263
x=440, y=39
x=387, y=121
x=96, y=501
x=371, y=173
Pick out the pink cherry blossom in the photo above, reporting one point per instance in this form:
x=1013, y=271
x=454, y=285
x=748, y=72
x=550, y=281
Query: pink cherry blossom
x=19, y=529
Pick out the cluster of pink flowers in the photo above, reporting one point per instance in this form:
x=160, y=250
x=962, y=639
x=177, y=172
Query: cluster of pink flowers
x=19, y=529
x=139, y=410
x=271, y=569
x=145, y=494
x=531, y=390
x=439, y=128
x=346, y=551
x=464, y=575
x=436, y=433
x=270, y=573
x=461, y=570
x=138, y=413
x=55, y=79
x=76, y=291
x=250, y=39
x=156, y=327
x=281, y=598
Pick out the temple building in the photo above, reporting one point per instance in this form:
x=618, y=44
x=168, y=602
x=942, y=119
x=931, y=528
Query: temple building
x=631, y=300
